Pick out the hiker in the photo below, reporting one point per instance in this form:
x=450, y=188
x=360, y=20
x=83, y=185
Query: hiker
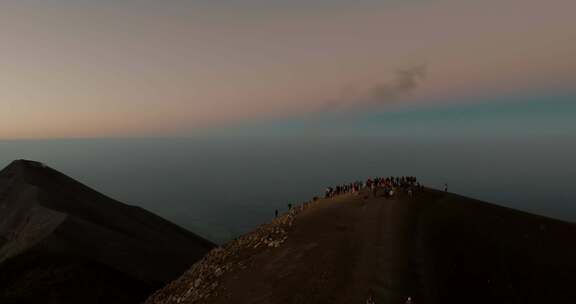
x=276, y=213
x=327, y=193
x=391, y=185
x=289, y=206
x=445, y=187
x=371, y=299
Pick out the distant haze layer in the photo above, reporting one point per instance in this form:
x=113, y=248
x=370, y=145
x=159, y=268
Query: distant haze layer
x=221, y=187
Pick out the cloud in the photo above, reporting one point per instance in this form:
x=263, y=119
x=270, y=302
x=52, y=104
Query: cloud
x=405, y=82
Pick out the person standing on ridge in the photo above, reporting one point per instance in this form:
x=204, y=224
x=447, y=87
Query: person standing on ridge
x=371, y=299
x=445, y=187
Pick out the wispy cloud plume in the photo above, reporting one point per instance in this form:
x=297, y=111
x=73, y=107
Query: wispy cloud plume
x=405, y=82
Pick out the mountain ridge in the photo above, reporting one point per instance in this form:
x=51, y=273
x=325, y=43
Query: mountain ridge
x=432, y=247
x=51, y=218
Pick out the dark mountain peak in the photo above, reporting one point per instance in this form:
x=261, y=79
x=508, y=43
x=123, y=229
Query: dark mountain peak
x=27, y=163
x=58, y=190
x=53, y=218
x=24, y=164
x=23, y=168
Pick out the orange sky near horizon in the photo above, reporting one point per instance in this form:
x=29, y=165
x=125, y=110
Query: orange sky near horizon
x=145, y=69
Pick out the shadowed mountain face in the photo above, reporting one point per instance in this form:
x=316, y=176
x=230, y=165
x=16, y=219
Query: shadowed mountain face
x=435, y=247
x=63, y=242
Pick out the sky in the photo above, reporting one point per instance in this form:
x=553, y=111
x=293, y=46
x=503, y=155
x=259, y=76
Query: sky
x=128, y=68
x=291, y=96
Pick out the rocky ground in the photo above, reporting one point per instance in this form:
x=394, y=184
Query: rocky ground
x=202, y=281
x=434, y=247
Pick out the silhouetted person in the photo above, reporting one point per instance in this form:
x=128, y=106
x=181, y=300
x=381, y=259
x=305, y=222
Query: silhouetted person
x=371, y=299
x=289, y=206
x=445, y=187
x=276, y=213
x=329, y=192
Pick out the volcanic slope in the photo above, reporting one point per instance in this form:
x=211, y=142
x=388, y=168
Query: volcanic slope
x=435, y=247
x=62, y=242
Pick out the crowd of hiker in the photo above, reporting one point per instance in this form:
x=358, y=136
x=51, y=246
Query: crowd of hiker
x=377, y=186
x=388, y=186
